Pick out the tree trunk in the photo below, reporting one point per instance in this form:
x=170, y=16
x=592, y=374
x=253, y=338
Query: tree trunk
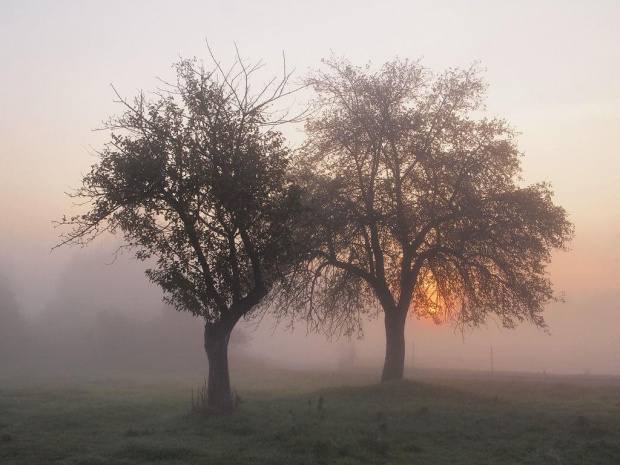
x=218, y=389
x=394, y=365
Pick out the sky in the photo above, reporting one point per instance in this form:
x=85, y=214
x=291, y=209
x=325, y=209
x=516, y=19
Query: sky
x=554, y=72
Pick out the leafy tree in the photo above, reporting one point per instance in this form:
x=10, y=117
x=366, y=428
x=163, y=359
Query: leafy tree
x=419, y=206
x=197, y=180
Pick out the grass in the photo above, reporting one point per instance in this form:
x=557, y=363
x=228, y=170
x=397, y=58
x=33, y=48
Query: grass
x=436, y=421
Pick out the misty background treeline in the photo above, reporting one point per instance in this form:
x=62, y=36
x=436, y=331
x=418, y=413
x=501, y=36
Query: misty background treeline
x=106, y=319
x=100, y=320
x=100, y=316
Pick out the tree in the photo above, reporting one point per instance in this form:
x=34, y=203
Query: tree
x=196, y=179
x=419, y=206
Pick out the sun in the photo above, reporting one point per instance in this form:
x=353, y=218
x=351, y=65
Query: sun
x=432, y=300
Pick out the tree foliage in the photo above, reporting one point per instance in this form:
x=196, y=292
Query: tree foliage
x=195, y=180
x=413, y=202
x=419, y=203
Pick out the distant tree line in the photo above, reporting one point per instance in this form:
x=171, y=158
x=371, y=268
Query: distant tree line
x=73, y=337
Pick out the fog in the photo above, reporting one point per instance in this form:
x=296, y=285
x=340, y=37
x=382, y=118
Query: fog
x=553, y=73
x=101, y=316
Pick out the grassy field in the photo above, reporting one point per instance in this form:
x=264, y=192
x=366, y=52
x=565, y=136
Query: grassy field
x=434, y=421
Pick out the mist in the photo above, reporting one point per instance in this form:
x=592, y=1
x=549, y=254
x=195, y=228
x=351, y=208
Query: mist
x=97, y=367
x=101, y=317
x=557, y=86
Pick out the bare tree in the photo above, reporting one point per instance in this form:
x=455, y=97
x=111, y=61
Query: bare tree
x=418, y=206
x=196, y=179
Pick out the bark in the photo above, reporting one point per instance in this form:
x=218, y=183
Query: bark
x=217, y=335
x=394, y=365
x=219, y=397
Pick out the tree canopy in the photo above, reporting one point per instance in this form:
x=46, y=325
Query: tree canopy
x=196, y=179
x=419, y=204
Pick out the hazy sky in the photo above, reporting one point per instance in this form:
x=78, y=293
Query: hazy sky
x=553, y=69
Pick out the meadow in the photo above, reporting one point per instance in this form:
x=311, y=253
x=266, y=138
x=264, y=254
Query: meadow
x=428, y=419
